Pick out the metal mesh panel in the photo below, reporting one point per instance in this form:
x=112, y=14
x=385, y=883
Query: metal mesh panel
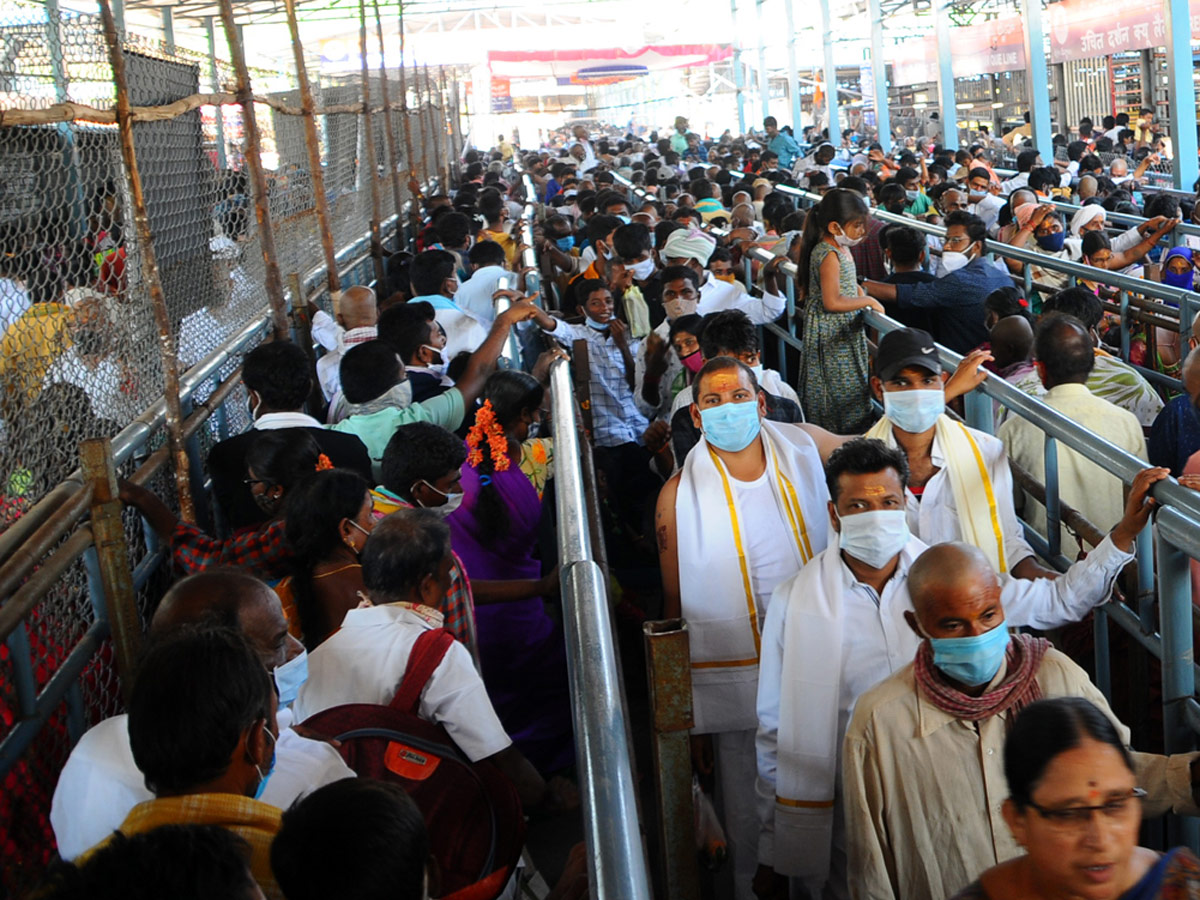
x=79, y=345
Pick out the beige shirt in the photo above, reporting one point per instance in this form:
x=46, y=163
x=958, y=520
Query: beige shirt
x=923, y=790
x=1083, y=484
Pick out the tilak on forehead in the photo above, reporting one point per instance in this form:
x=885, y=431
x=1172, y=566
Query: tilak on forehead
x=874, y=490
x=725, y=381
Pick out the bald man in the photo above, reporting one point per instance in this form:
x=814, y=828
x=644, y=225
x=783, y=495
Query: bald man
x=357, y=317
x=100, y=783
x=922, y=761
x=1011, y=342
x=839, y=627
x=1064, y=359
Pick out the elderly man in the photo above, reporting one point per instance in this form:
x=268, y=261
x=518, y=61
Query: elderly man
x=203, y=733
x=746, y=511
x=406, y=566
x=1064, y=359
x=357, y=316
x=923, y=774
x=837, y=628
x=101, y=783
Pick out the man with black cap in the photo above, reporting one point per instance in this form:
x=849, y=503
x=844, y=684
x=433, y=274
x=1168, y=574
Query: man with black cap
x=960, y=486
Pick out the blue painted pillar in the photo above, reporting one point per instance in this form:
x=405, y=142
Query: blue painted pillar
x=764, y=82
x=793, y=78
x=883, y=119
x=1181, y=94
x=168, y=23
x=831, y=88
x=1037, y=80
x=947, y=104
x=739, y=76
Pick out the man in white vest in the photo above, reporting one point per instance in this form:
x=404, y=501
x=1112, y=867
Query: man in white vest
x=838, y=628
x=746, y=511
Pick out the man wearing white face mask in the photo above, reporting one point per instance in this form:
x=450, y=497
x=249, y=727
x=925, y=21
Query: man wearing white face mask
x=100, y=782
x=924, y=747
x=378, y=398
x=954, y=301
x=838, y=628
x=745, y=512
x=961, y=486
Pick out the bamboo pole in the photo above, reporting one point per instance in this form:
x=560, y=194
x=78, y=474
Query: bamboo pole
x=414, y=186
x=312, y=143
x=371, y=160
x=393, y=176
x=435, y=137
x=158, y=300
x=258, y=179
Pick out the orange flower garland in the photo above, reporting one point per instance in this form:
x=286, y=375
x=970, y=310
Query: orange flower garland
x=323, y=463
x=486, y=428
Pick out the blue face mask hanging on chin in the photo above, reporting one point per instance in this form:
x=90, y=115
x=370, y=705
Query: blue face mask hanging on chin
x=731, y=426
x=914, y=411
x=290, y=676
x=598, y=326
x=971, y=660
x=264, y=777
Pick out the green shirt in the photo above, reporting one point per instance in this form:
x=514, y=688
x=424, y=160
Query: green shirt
x=376, y=429
x=920, y=206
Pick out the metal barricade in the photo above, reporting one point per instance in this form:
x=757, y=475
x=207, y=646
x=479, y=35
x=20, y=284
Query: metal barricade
x=616, y=859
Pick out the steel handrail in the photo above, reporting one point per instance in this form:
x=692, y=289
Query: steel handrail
x=616, y=860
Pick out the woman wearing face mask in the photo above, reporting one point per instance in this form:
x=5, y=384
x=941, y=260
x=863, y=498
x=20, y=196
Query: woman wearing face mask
x=835, y=371
x=495, y=532
x=1075, y=806
x=327, y=519
x=685, y=338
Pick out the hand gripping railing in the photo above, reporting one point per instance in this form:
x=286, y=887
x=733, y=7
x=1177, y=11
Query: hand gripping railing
x=616, y=860
x=1186, y=302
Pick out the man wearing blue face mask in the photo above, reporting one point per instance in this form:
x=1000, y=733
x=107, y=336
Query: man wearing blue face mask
x=838, y=628
x=101, y=783
x=924, y=746
x=745, y=512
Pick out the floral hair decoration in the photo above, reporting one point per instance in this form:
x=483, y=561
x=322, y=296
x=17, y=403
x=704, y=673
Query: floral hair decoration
x=323, y=463
x=487, y=430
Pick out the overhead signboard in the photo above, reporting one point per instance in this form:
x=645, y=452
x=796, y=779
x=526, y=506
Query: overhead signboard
x=502, y=100
x=989, y=47
x=914, y=62
x=1083, y=30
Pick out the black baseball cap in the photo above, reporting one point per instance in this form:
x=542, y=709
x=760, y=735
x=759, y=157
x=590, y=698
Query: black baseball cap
x=905, y=347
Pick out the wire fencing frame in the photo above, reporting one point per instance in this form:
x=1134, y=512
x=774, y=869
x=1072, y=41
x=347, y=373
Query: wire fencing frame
x=79, y=345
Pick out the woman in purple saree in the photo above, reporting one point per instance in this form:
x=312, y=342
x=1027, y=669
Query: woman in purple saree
x=494, y=532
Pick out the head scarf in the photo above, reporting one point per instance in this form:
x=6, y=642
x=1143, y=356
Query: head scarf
x=691, y=244
x=1085, y=215
x=1187, y=279
x=1024, y=213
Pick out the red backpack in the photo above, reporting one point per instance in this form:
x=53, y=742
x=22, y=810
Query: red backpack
x=471, y=809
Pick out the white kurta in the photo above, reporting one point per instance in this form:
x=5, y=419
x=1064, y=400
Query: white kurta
x=364, y=662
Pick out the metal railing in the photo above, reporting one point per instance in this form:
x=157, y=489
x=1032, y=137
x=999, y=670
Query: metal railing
x=1178, y=305
x=616, y=860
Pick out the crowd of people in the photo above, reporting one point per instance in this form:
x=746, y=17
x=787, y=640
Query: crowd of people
x=848, y=555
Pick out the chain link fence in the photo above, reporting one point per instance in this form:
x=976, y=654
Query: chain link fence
x=81, y=354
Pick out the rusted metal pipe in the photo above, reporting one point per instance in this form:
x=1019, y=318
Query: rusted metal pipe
x=669, y=673
x=312, y=143
x=371, y=161
x=414, y=185
x=393, y=175
x=28, y=556
x=422, y=111
x=158, y=301
x=22, y=602
x=444, y=131
x=112, y=553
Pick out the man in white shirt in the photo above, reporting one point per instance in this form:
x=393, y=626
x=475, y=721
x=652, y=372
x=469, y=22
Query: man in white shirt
x=100, y=782
x=406, y=566
x=475, y=296
x=1064, y=359
x=657, y=372
x=587, y=157
x=357, y=317
x=838, y=627
x=434, y=280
